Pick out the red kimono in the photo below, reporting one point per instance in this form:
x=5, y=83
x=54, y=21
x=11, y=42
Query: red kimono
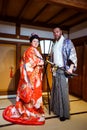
x=28, y=108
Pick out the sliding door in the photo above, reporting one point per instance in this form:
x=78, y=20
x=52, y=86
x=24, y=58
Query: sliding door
x=7, y=68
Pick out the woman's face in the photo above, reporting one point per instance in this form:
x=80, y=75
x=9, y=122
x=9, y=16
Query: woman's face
x=35, y=42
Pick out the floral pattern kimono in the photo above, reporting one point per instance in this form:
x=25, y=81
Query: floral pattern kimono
x=28, y=108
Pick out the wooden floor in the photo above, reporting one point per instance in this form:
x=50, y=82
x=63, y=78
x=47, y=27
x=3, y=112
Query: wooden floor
x=78, y=120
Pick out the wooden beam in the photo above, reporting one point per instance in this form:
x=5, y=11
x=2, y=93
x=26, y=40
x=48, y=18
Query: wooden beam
x=79, y=4
x=18, y=30
x=40, y=11
x=24, y=8
x=4, y=7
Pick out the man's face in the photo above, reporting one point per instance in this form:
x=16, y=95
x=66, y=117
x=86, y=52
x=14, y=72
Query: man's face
x=57, y=33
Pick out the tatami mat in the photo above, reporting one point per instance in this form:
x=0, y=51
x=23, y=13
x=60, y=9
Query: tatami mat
x=78, y=120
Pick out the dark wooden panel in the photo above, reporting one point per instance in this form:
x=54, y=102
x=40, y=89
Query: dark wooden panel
x=78, y=85
x=84, y=90
x=75, y=83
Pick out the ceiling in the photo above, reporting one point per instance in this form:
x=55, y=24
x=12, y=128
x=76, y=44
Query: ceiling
x=44, y=13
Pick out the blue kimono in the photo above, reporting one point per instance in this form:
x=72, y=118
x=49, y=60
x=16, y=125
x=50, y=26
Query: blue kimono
x=59, y=93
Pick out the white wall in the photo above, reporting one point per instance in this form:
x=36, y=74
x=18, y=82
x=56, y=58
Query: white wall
x=25, y=30
x=41, y=32
x=78, y=31
x=10, y=28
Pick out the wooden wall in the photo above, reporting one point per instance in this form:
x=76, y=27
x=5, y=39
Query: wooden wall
x=78, y=84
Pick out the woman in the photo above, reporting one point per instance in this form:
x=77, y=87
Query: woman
x=28, y=108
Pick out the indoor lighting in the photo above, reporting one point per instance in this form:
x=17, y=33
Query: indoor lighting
x=46, y=46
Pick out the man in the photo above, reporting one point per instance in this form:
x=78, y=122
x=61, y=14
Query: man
x=65, y=60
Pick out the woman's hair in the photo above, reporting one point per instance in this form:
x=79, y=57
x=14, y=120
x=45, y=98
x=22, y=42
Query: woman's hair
x=34, y=36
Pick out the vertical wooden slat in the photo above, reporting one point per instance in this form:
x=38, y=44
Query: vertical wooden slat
x=84, y=90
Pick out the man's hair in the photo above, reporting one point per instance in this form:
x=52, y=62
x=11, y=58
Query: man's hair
x=58, y=28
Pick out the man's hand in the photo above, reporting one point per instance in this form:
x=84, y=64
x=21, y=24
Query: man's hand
x=70, y=70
